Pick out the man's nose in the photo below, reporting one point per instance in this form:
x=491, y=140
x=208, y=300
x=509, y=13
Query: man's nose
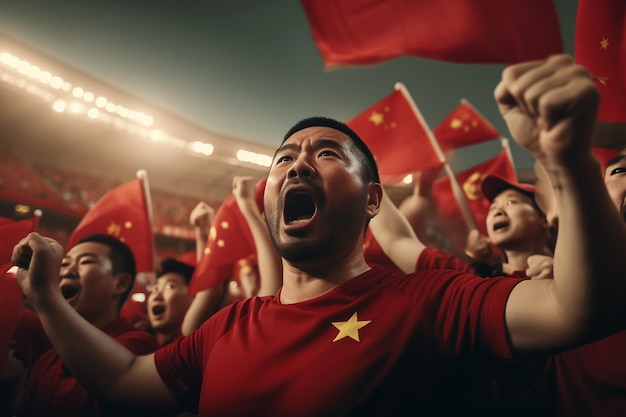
x=301, y=168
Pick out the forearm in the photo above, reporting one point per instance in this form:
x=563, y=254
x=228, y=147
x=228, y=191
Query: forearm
x=96, y=359
x=589, y=257
x=270, y=266
x=201, y=239
x=584, y=301
x=203, y=306
x=396, y=236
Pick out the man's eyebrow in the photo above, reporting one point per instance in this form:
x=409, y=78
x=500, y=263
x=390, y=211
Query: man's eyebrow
x=321, y=143
x=82, y=255
x=615, y=160
x=327, y=143
x=287, y=146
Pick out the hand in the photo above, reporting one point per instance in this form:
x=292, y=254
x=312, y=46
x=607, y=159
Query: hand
x=202, y=216
x=38, y=260
x=244, y=189
x=480, y=248
x=550, y=108
x=540, y=267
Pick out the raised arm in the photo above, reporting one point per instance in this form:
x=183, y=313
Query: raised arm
x=201, y=218
x=206, y=302
x=550, y=108
x=100, y=363
x=396, y=236
x=270, y=266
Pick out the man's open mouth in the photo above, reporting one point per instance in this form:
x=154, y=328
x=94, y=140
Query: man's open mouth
x=298, y=206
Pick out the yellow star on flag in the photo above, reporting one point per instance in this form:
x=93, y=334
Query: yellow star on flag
x=456, y=123
x=605, y=43
x=224, y=225
x=114, y=229
x=377, y=118
x=350, y=328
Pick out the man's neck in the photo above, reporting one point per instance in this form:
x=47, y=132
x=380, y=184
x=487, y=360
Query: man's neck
x=302, y=284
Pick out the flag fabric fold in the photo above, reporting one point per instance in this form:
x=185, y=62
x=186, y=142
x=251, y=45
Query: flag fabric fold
x=122, y=212
x=471, y=181
x=600, y=45
x=230, y=240
x=397, y=138
x=464, y=126
x=365, y=32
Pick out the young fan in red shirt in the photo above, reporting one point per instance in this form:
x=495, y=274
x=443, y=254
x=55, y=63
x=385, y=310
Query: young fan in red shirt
x=169, y=300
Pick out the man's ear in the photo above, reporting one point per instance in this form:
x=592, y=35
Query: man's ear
x=123, y=282
x=374, y=197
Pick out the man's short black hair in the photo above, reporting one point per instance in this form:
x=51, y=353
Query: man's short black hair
x=121, y=256
x=371, y=171
x=174, y=265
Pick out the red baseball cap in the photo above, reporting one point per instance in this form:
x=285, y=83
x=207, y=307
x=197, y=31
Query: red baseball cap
x=493, y=185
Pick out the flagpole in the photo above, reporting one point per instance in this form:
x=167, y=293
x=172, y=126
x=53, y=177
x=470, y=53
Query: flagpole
x=37, y=214
x=507, y=148
x=457, y=191
x=142, y=175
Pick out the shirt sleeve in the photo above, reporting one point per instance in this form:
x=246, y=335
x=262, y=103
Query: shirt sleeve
x=467, y=311
x=180, y=366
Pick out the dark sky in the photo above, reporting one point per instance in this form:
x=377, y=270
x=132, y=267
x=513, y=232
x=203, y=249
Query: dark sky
x=245, y=68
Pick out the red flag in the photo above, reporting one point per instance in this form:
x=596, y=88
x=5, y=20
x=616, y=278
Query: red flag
x=10, y=306
x=12, y=231
x=362, y=32
x=122, y=212
x=463, y=127
x=397, y=138
x=470, y=181
x=600, y=45
x=188, y=257
x=230, y=240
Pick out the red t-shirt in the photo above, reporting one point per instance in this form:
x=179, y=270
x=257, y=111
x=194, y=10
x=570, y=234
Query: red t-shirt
x=378, y=344
x=592, y=379
x=52, y=391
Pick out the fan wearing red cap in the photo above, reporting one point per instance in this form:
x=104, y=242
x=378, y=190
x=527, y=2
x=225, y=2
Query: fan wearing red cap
x=516, y=224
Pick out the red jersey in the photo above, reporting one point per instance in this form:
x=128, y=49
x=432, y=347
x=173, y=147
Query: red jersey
x=377, y=345
x=51, y=390
x=592, y=379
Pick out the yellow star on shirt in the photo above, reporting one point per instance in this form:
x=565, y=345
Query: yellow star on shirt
x=350, y=328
